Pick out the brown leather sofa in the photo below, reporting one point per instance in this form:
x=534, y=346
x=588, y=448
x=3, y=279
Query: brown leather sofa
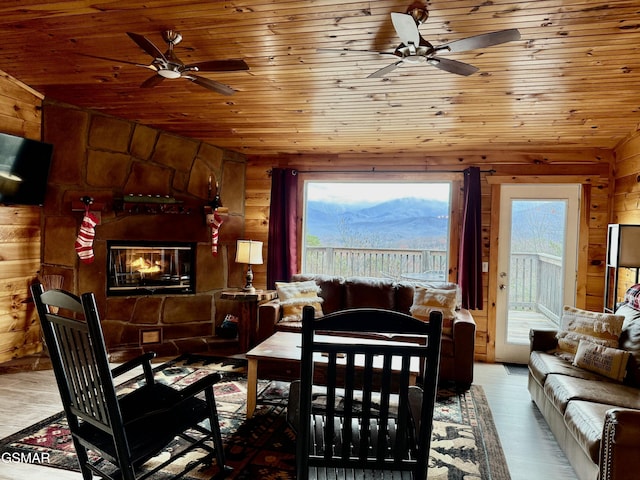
x=338, y=293
x=595, y=420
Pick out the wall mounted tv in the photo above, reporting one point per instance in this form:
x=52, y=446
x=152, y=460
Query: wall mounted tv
x=24, y=169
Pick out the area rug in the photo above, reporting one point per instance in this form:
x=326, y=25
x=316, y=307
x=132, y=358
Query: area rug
x=516, y=369
x=465, y=443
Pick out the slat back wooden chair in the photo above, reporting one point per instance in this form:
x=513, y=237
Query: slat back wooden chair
x=124, y=431
x=373, y=422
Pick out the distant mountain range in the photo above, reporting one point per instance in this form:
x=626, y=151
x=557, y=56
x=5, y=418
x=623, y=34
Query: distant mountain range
x=418, y=223
x=401, y=223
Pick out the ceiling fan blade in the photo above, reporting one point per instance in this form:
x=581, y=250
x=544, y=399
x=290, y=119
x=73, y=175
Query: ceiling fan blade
x=406, y=28
x=452, y=66
x=481, y=41
x=383, y=71
x=219, y=65
x=347, y=50
x=108, y=59
x=145, y=44
x=150, y=67
x=210, y=84
x=152, y=81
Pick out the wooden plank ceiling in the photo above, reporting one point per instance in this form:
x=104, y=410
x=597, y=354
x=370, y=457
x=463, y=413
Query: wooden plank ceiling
x=572, y=81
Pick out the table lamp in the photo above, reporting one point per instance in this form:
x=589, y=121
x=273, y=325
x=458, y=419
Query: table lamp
x=249, y=252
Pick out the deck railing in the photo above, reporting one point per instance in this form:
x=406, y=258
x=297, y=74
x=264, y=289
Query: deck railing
x=376, y=262
x=535, y=283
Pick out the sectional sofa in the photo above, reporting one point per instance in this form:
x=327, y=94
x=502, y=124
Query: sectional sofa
x=592, y=401
x=339, y=293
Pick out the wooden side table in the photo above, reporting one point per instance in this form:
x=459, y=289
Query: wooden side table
x=249, y=301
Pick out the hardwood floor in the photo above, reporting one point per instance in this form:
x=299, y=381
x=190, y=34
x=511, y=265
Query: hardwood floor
x=531, y=450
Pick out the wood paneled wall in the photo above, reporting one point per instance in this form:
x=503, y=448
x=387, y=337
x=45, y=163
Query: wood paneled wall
x=626, y=200
x=20, y=114
x=592, y=167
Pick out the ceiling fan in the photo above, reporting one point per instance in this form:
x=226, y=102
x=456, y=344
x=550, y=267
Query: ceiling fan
x=415, y=50
x=168, y=65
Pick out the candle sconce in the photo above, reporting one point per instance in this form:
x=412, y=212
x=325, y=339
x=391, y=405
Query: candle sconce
x=214, y=204
x=214, y=214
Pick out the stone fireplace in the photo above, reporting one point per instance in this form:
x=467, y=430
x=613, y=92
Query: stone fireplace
x=109, y=159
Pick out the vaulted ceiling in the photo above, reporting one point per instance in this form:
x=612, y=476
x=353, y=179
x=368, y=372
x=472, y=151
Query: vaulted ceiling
x=572, y=80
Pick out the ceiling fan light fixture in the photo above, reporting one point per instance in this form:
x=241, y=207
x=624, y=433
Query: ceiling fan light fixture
x=414, y=59
x=169, y=73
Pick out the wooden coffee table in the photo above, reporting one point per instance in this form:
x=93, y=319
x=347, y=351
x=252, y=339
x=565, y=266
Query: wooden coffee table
x=279, y=357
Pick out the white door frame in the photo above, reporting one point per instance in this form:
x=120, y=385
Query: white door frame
x=517, y=353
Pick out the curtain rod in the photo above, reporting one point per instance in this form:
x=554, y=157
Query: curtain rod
x=373, y=170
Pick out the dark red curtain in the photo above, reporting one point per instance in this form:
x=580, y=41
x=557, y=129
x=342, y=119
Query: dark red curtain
x=470, y=257
x=283, y=226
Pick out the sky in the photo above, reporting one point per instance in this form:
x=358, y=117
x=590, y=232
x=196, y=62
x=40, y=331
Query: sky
x=364, y=192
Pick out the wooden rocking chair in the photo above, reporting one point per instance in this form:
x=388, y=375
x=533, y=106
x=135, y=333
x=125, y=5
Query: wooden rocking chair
x=124, y=431
x=368, y=420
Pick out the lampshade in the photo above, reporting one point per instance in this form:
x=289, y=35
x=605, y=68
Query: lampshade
x=249, y=251
x=624, y=243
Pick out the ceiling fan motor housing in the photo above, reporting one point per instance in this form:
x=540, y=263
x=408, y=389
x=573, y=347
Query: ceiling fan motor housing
x=171, y=37
x=419, y=14
x=172, y=67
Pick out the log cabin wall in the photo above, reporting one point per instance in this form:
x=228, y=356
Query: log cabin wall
x=20, y=114
x=626, y=200
x=592, y=167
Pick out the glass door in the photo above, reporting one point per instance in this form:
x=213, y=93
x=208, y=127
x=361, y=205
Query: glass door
x=536, y=263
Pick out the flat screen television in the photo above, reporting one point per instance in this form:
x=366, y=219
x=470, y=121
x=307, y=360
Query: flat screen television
x=24, y=170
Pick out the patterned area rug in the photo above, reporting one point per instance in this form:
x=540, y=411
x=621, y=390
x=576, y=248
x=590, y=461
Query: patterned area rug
x=465, y=444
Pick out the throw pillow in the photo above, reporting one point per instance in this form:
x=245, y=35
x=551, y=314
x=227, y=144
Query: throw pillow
x=446, y=286
x=576, y=324
x=332, y=288
x=426, y=300
x=294, y=296
x=610, y=362
x=632, y=296
x=630, y=341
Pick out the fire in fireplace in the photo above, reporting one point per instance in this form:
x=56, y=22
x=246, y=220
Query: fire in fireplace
x=146, y=268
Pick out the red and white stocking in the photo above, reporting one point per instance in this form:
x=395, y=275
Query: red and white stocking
x=84, y=242
x=215, y=221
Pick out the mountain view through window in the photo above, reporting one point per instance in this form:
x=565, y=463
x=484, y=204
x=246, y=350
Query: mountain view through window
x=382, y=229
